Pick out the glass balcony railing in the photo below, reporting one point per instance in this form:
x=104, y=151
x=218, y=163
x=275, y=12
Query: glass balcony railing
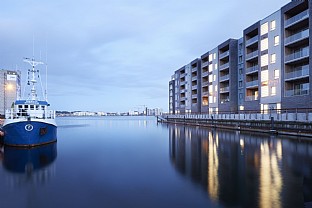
x=224, y=66
x=296, y=92
x=225, y=77
x=251, y=98
x=298, y=72
x=304, y=52
x=252, y=83
x=224, y=89
x=296, y=37
x=225, y=54
x=252, y=54
x=252, y=40
x=301, y=16
x=252, y=69
x=224, y=100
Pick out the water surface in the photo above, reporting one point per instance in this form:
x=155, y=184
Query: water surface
x=133, y=162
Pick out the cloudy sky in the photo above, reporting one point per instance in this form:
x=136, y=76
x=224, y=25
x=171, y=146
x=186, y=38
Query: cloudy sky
x=117, y=55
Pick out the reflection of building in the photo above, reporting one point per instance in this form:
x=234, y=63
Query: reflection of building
x=243, y=170
x=10, y=88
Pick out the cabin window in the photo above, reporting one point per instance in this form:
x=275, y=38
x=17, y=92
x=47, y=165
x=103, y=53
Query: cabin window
x=32, y=107
x=37, y=107
x=26, y=106
x=20, y=106
x=42, y=107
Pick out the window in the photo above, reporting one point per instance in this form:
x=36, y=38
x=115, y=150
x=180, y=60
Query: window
x=240, y=71
x=216, y=88
x=264, y=91
x=264, y=44
x=216, y=66
x=264, y=75
x=273, y=25
x=210, y=78
x=273, y=90
x=276, y=40
x=264, y=60
x=210, y=57
x=240, y=83
x=264, y=28
x=214, y=56
x=240, y=96
x=214, y=77
x=276, y=73
x=273, y=58
x=210, y=68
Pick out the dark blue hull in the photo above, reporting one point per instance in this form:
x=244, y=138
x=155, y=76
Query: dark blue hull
x=29, y=133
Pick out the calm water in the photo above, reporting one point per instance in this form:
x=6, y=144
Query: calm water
x=133, y=162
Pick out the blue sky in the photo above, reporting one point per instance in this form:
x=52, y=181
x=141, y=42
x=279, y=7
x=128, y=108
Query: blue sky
x=115, y=55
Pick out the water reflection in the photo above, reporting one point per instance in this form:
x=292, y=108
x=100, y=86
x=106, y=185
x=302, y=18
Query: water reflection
x=244, y=170
x=29, y=166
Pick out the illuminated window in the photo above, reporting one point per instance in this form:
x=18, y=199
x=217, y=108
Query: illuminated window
x=210, y=57
x=264, y=28
x=210, y=78
x=276, y=74
x=264, y=75
x=264, y=91
x=216, y=88
x=214, y=56
x=273, y=90
x=264, y=60
x=216, y=66
x=210, y=68
x=273, y=58
x=264, y=44
x=273, y=25
x=214, y=77
x=276, y=40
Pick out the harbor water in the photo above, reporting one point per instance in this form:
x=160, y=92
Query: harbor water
x=137, y=162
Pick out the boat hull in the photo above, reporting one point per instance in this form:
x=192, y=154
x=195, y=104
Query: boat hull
x=29, y=133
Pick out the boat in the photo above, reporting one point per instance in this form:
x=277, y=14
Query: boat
x=29, y=122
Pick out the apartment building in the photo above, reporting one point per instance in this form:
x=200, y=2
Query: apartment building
x=267, y=68
x=10, y=88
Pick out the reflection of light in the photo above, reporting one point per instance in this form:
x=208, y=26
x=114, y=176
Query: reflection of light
x=213, y=167
x=270, y=178
x=9, y=87
x=241, y=142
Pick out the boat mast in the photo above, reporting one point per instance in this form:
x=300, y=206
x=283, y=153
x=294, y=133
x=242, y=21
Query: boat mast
x=33, y=80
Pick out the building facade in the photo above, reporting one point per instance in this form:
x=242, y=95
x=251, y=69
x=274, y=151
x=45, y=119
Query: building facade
x=267, y=68
x=10, y=88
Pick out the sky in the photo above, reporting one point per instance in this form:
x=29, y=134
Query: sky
x=118, y=55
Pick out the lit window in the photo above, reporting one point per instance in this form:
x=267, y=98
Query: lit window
x=264, y=60
x=276, y=74
x=210, y=57
x=273, y=91
x=264, y=75
x=276, y=40
x=210, y=78
x=210, y=68
x=264, y=28
x=264, y=91
x=214, y=56
x=216, y=88
x=264, y=44
x=273, y=58
x=216, y=66
x=273, y=25
x=214, y=77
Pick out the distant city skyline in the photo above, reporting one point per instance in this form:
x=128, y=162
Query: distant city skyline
x=116, y=55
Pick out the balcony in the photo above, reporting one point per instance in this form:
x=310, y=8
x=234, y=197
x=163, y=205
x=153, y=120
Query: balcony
x=296, y=56
x=225, y=77
x=297, y=18
x=194, y=78
x=205, y=74
x=223, y=55
x=252, y=69
x=204, y=64
x=296, y=92
x=253, y=83
x=297, y=37
x=182, y=83
x=252, y=55
x=299, y=72
x=194, y=95
x=225, y=100
x=224, y=66
x=194, y=69
x=205, y=83
x=251, y=98
x=252, y=40
x=194, y=87
x=224, y=89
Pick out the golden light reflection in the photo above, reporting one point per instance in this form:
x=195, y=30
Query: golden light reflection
x=270, y=178
x=210, y=148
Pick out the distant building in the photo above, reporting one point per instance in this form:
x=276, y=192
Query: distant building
x=267, y=68
x=10, y=88
x=154, y=112
x=83, y=113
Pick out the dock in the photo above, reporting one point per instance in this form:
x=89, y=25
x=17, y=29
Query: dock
x=284, y=123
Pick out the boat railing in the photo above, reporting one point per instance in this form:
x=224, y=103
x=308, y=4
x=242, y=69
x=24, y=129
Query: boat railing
x=46, y=114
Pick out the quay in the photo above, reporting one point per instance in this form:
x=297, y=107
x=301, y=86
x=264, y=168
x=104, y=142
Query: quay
x=293, y=122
